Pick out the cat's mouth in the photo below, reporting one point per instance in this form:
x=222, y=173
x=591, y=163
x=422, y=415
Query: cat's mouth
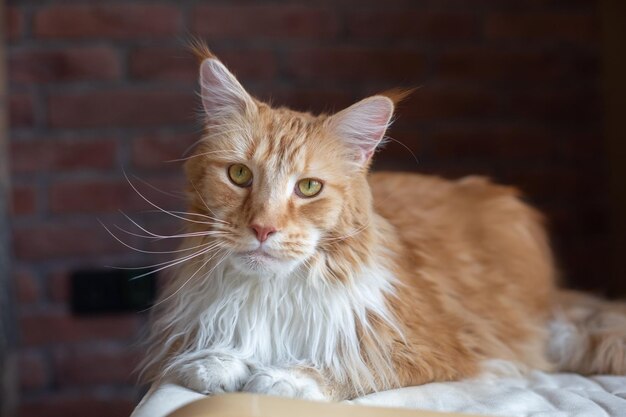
x=264, y=261
x=258, y=255
x=258, y=261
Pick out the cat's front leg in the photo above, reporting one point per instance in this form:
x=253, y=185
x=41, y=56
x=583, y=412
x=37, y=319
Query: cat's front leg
x=293, y=382
x=215, y=373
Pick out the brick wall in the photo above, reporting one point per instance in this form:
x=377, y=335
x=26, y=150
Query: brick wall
x=507, y=88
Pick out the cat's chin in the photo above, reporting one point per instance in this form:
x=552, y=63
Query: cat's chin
x=260, y=263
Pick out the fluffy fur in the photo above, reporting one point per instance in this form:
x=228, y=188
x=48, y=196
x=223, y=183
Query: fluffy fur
x=380, y=281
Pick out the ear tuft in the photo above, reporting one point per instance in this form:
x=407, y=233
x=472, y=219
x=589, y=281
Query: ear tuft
x=222, y=95
x=363, y=125
x=398, y=95
x=199, y=49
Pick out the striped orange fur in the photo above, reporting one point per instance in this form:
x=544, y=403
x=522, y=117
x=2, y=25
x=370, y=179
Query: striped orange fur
x=378, y=281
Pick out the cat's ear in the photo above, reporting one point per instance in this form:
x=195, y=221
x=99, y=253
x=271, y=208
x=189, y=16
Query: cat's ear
x=363, y=125
x=222, y=95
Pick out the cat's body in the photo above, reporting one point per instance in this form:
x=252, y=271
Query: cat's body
x=477, y=273
x=302, y=276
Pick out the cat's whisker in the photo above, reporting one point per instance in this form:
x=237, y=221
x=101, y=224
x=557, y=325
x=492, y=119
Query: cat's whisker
x=178, y=262
x=182, y=259
x=157, y=189
x=216, y=222
x=148, y=251
x=340, y=238
x=227, y=152
x=188, y=213
x=157, y=236
x=194, y=274
x=215, y=219
x=138, y=226
x=157, y=206
x=204, y=202
x=406, y=147
x=193, y=145
x=204, y=263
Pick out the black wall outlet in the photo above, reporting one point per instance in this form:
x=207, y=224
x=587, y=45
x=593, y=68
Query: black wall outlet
x=100, y=291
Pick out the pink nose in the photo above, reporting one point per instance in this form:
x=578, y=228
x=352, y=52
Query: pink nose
x=262, y=232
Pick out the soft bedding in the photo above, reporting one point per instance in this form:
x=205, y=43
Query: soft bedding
x=537, y=394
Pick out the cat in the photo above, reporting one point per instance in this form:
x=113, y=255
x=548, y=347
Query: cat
x=304, y=275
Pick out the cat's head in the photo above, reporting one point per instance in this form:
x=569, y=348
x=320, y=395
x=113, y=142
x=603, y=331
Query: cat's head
x=277, y=185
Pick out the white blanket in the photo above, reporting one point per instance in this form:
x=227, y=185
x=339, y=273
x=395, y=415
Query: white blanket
x=537, y=394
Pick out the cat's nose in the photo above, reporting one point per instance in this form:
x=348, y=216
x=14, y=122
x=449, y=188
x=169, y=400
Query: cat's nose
x=262, y=232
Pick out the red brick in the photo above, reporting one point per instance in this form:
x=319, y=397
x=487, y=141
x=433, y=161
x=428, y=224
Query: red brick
x=509, y=5
x=455, y=171
x=24, y=200
x=550, y=183
x=27, y=287
x=406, y=4
x=61, y=328
x=62, y=239
x=175, y=64
x=494, y=143
x=119, y=21
x=14, y=22
x=101, y=196
x=103, y=365
x=58, y=283
x=356, y=64
x=560, y=220
x=587, y=263
x=21, y=110
x=93, y=196
x=584, y=219
x=264, y=21
x=157, y=151
x=573, y=27
x=439, y=103
x=63, y=405
x=495, y=64
x=60, y=155
x=554, y=105
x=68, y=64
x=122, y=108
x=155, y=63
x=33, y=371
x=574, y=147
x=416, y=25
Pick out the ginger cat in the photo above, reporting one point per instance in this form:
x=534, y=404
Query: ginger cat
x=302, y=275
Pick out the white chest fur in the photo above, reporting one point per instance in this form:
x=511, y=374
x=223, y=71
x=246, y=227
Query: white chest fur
x=300, y=319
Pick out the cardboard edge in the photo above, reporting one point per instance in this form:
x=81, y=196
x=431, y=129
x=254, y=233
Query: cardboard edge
x=253, y=405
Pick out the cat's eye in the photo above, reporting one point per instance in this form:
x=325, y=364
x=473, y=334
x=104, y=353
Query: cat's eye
x=308, y=187
x=240, y=175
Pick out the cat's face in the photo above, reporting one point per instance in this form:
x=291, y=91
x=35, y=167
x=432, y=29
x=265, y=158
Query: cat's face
x=277, y=183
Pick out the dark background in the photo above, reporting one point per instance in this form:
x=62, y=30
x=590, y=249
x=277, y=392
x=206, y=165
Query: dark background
x=512, y=89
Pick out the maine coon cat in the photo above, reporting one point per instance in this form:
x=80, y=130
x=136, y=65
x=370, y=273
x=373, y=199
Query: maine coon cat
x=303, y=275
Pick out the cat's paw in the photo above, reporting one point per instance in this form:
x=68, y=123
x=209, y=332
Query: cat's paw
x=215, y=374
x=284, y=383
